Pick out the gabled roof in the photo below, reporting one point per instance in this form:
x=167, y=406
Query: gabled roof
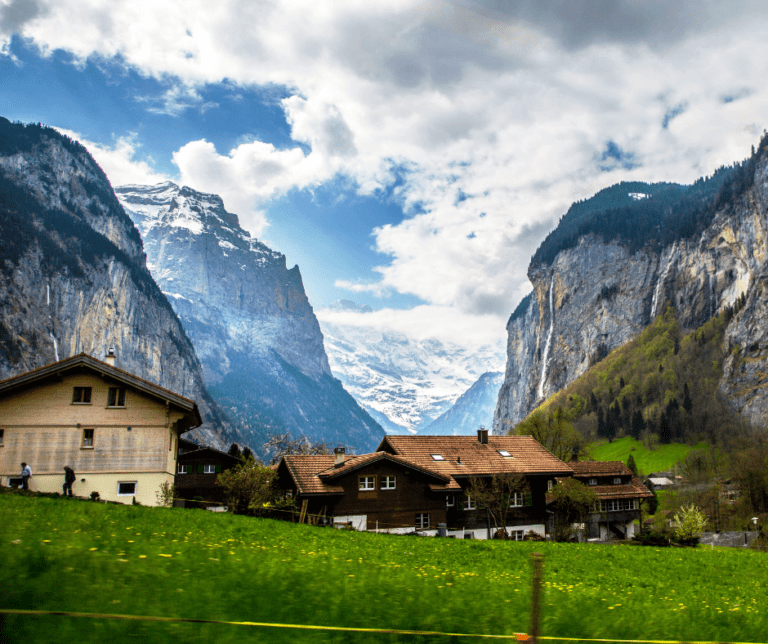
x=357, y=462
x=83, y=360
x=304, y=472
x=209, y=451
x=467, y=456
x=600, y=468
x=633, y=490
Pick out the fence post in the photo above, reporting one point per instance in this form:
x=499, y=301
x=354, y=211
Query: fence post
x=536, y=561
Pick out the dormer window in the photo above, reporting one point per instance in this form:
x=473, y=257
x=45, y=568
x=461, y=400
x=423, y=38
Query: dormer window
x=593, y=481
x=437, y=457
x=505, y=453
x=617, y=480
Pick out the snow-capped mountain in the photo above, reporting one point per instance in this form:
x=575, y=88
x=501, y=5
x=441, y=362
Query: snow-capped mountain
x=473, y=409
x=404, y=383
x=248, y=318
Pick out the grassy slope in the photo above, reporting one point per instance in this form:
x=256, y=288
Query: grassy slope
x=662, y=458
x=79, y=556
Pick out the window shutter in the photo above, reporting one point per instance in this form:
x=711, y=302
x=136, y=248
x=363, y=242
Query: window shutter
x=200, y=469
x=527, y=499
x=218, y=469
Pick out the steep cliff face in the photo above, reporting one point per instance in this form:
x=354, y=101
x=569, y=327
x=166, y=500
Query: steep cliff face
x=248, y=317
x=73, y=277
x=596, y=295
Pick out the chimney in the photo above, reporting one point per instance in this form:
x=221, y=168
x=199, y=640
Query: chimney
x=482, y=435
x=110, y=357
x=338, y=456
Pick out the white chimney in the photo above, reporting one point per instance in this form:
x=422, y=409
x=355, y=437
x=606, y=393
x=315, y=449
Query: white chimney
x=338, y=456
x=110, y=357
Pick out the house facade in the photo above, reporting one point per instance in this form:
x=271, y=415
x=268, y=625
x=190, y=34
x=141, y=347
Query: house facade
x=620, y=495
x=197, y=472
x=118, y=432
x=416, y=483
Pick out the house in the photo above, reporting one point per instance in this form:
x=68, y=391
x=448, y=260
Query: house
x=620, y=495
x=118, y=432
x=416, y=483
x=197, y=471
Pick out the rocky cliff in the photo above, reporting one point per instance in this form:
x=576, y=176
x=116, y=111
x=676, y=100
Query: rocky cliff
x=249, y=319
x=594, y=290
x=73, y=277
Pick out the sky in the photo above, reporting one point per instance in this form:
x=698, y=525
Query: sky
x=408, y=155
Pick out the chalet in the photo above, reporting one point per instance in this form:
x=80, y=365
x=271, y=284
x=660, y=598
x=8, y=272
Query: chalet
x=418, y=482
x=620, y=494
x=119, y=433
x=197, y=472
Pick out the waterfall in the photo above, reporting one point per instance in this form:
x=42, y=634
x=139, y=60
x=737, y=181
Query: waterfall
x=50, y=318
x=55, y=347
x=660, y=284
x=540, y=391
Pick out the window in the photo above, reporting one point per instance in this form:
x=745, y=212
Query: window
x=617, y=480
x=505, y=453
x=422, y=520
x=469, y=504
x=81, y=396
x=550, y=485
x=2, y=436
x=516, y=500
x=617, y=505
x=437, y=457
x=517, y=535
x=367, y=482
x=450, y=501
x=126, y=488
x=209, y=469
x=88, y=438
x=182, y=469
x=387, y=482
x=116, y=397
x=593, y=481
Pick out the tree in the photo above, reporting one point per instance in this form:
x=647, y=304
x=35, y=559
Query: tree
x=572, y=503
x=555, y=431
x=234, y=450
x=498, y=495
x=166, y=494
x=690, y=524
x=248, y=487
x=282, y=444
x=247, y=453
x=632, y=465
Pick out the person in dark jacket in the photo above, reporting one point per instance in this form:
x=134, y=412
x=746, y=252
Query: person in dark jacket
x=26, y=473
x=69, y=479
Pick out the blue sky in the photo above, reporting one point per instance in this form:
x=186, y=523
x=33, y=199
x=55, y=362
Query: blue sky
x=409, y=155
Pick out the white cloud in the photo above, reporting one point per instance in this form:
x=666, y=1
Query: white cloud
x=119, y=162
x=497, y=112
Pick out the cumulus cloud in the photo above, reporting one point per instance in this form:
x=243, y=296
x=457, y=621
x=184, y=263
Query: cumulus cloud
x=486, y=120
x=120, y=162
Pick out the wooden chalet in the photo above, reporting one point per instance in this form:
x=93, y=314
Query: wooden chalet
x=418, y=482
x=620, y=495
x=197, y=474
x=118, y=432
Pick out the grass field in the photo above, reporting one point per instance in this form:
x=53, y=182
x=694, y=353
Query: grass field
x=662, y=458
x=71, y=555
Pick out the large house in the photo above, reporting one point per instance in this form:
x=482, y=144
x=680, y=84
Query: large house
x=419, y=482
x=620, y=494
x=118, y=432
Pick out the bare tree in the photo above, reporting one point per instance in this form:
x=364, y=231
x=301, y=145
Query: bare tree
x=498, y=494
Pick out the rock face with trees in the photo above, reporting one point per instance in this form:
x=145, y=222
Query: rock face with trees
x=617, y=260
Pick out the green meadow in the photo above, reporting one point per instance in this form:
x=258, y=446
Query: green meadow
x=662, y=458
x=78, y=556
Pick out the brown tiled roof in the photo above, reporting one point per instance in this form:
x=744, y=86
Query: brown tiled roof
x=600, y=468
x=466, y=456
x=356, y=462
x=304, y=469
x=633, y=490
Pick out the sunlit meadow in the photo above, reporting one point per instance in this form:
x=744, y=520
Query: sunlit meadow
x=72, y=555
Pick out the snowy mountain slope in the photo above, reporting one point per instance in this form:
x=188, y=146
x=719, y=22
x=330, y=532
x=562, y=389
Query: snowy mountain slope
x=409, y=381
x=473, y=409
x=249, y=320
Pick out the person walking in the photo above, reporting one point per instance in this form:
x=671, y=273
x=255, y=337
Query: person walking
x=69, y=479
x=26, y=474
